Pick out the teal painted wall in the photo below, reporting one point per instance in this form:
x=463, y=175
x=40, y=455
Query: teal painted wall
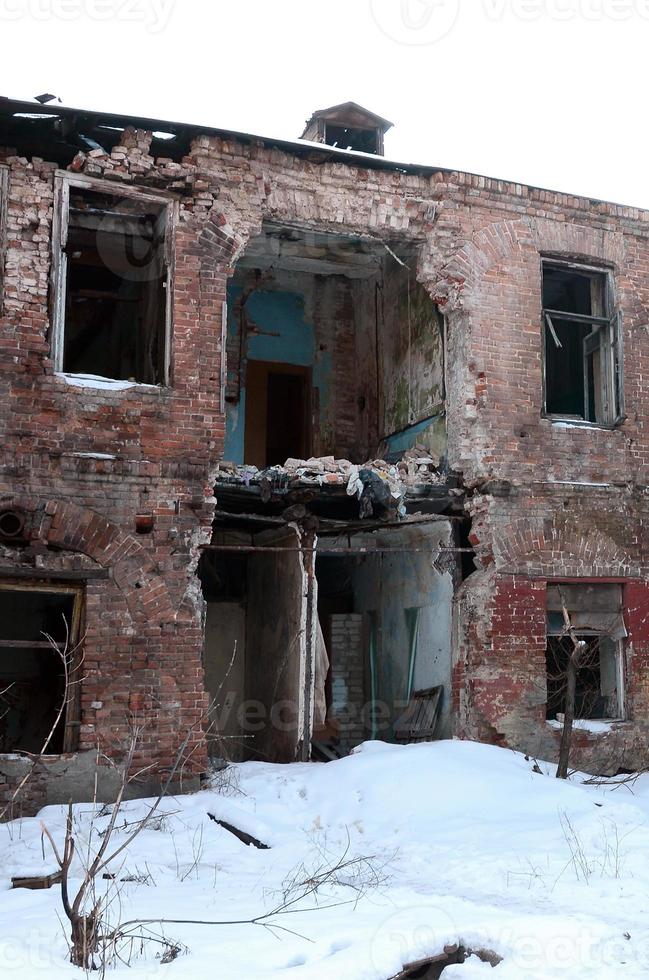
x=278, y=330
x=389, y=585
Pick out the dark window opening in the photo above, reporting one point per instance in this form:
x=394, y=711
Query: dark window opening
x=467, y=557
x=32, y=674
x=352, y=138
x=115, y=286
x=596, y=688
x=582, y=346
x=4, y=194
x=223, y=576
x=595, y=617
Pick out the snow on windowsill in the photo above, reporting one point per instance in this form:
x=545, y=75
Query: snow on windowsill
x=103, y=384
x=576, y=483
x=92, y=455
x=596, y=726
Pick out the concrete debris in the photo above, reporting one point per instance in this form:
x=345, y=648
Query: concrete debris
x=378, y=485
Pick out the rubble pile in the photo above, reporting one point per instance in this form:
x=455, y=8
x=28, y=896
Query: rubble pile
x=379, y=486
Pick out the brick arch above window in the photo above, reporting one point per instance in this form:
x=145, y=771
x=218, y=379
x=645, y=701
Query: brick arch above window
x=560, y=547
x=80, y=529
x=504, y=241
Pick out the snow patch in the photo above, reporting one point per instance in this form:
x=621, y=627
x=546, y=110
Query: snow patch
x=587, y=724
x=469, y=844
x=102, y=384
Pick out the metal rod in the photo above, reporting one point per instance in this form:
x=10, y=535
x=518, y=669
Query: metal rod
x=577, y=317
x=26, y=644
x=334, y=551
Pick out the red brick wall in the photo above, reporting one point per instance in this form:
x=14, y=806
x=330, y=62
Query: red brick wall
x=480, y=246
x=501, y=651
x=82, y=461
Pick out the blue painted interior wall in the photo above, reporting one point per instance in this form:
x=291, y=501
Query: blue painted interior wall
x=278, y=330
x=390, y=584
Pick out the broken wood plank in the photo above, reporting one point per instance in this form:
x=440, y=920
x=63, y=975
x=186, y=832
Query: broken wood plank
x=432, y=967
x=36, y=881
x=240, y=834
x=418, y=722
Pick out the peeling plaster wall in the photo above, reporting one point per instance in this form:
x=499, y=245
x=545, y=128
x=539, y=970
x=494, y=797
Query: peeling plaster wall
x=412, y=353
x=388, y=585
x=311, y=321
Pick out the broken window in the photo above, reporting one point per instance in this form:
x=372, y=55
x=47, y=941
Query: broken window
x=4, y=194
x=595, y=614
x=112, y=282
x=34, y=620
x=582, y=341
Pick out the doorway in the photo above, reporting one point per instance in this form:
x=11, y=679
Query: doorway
x=278, y=413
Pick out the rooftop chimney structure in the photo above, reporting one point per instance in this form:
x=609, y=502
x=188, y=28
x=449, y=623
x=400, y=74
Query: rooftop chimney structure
x=349, y=127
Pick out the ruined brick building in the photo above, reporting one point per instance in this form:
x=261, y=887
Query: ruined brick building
x=204, y=337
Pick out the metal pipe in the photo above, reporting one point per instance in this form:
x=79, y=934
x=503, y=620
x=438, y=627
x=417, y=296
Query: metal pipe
x=335, y=551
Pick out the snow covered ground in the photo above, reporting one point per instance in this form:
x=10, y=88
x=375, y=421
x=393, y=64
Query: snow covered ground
x=458, y=841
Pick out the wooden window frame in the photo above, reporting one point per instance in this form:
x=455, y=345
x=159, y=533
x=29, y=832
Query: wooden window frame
x=611, y=324
x=72, y=713
x=63, y=181
x=4, y=201
x=612, y=630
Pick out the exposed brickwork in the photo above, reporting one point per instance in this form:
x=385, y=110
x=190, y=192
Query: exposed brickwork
x=84, y=461
x=347, y=678
x=526, y=541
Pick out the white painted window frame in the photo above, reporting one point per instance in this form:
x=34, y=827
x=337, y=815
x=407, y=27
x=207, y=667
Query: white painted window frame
x=63, y=181
x=613, y=389
x=4, y=200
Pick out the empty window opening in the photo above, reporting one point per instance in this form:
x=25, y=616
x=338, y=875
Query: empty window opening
x=353, y=138
x=4, y=194
x=467, y=555
x=595, y=614
x=32, y=676
x=333, y=349
x=582, y=345
x=113, y=303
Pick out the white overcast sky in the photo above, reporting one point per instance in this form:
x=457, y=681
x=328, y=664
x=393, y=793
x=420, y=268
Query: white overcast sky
x=545, y=92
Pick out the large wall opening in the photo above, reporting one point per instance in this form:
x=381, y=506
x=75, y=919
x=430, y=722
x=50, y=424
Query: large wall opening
x=333, y=348
x=334, y=658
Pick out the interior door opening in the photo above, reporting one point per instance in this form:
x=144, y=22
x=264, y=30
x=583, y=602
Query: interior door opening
x=277, y=413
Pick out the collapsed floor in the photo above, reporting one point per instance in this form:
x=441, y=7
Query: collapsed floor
x=329, y=605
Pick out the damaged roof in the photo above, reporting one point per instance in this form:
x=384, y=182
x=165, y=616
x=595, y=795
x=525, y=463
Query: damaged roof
x=62, y=130
x=352, y=107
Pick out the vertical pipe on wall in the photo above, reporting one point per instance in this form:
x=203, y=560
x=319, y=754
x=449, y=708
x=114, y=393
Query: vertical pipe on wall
x=373, y=681
x=412, y=619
